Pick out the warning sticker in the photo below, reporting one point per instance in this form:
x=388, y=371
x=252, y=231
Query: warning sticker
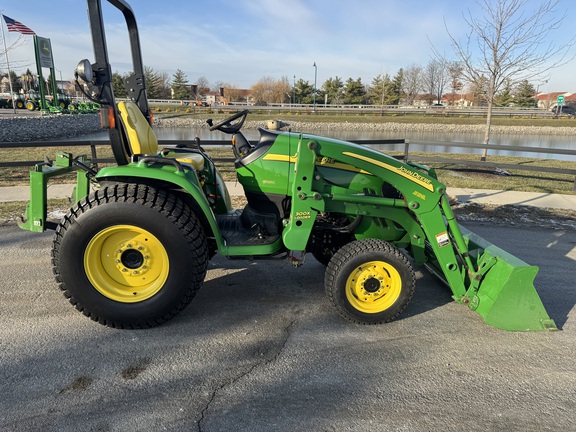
x=443, y=239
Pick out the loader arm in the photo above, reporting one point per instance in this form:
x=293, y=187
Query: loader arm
x=495, y=284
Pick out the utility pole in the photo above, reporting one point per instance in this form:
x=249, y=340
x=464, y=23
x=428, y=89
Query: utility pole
x=8, y=66
x=294, y=91
x=315, y=75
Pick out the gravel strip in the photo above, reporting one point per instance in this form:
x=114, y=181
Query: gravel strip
x=380, y=127
x=21, y=129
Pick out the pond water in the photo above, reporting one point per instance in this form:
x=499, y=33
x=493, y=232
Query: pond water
x=419, y=141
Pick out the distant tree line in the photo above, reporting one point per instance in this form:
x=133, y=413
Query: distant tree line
x=435, y=82
x=431, y=83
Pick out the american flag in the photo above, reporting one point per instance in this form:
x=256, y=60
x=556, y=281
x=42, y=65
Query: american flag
x=17, y=26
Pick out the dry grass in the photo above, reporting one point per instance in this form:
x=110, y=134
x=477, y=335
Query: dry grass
x=452, y=175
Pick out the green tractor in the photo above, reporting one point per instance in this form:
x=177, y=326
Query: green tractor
x=34, y=103
x=33, y=100
x=16, y=99
x=134, y=253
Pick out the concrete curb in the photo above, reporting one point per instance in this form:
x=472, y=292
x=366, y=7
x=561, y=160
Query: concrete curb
x=530, y=199
x=480, y=196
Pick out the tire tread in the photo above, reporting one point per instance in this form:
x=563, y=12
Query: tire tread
x=165, y=203
x=352, y=250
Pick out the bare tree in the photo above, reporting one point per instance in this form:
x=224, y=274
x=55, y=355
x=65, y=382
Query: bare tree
x=165, y=83
x=5, y=48
x=435, y=78
x=479, y=89
x=411, y=83
x=509, y=41
x=455, y=73
x=231, y=92
x=281, y=90
x=271, y=91
x=203, y=85
x=262, y=91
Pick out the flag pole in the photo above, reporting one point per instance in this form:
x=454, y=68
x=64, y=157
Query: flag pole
x=8, y=66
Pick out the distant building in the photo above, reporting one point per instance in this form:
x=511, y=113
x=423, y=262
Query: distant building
x=5, y=85
x=549, y=100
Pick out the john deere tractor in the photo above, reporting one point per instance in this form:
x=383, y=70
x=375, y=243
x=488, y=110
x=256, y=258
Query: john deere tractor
x=134, y=253
x=12, y=101
x=34, y=102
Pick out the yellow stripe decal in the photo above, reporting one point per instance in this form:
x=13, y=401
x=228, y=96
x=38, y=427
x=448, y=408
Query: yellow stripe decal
x=280, y=158
x=410, y=175
x=320, y=161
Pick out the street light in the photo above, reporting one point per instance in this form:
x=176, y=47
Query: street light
x=538, y=92
x=315, y=74
x=61, y=81
x=294, y=91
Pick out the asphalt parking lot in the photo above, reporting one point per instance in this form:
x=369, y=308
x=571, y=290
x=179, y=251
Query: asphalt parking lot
x=261, y=349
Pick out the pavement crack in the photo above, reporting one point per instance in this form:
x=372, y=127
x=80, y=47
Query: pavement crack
x=287, y=331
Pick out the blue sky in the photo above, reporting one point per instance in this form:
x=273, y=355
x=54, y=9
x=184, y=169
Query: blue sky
x=241, y=41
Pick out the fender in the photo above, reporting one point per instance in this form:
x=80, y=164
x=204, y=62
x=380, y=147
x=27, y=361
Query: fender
x=185, y=180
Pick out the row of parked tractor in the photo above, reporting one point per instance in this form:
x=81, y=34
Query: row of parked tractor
x=32, y=101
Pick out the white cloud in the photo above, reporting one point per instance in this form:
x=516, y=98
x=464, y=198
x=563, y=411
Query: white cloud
x=241, y=41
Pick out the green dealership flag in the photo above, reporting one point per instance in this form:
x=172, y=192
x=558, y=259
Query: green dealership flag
x=44, y=52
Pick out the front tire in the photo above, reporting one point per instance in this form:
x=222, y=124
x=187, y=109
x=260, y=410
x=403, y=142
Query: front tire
x=130, y=256
x=369, y=281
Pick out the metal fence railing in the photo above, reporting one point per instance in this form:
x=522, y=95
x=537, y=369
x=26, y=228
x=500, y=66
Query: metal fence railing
x=406, y=153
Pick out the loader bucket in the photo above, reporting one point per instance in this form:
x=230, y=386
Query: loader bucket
x=505, y=295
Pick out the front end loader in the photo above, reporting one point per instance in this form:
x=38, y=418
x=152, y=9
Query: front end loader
x=133, y=252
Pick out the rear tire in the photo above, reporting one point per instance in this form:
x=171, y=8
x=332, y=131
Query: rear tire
x=369, y=281
x=130, y=256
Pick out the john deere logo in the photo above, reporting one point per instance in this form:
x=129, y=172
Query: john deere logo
x=44, y=52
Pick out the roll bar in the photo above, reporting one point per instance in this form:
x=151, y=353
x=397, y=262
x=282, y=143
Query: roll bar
x=135, y=83
x=102, y=66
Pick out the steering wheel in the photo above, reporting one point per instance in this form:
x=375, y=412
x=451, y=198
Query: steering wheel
x=226, y=126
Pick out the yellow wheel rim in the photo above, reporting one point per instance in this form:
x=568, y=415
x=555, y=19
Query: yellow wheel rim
x=373, y=287
x=126, y=264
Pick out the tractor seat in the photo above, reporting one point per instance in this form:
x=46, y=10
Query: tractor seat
x=142, y=139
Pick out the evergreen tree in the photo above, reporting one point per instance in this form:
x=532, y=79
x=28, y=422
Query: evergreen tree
x=333, y=88
x=380, y=89
x=180, y=88
x=386, y=91
x=396, y=91
x=504, y=98
x=153, y=83
x=354, y=92
x=303, y=92
x=16, y=83
x=118, y=85
x=525, y=93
